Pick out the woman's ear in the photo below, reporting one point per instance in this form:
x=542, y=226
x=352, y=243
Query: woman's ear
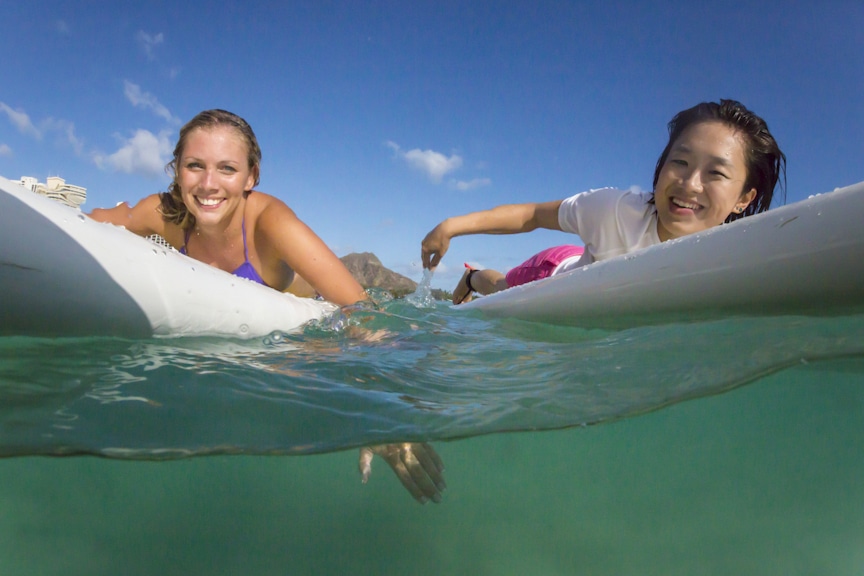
x=250, y=181
x=745, y=200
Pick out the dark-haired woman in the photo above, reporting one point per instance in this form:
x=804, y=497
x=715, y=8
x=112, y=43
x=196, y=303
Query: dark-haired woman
x=721, y=163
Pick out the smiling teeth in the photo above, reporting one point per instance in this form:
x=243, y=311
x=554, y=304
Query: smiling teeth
x=209, y=201
x=684, y=204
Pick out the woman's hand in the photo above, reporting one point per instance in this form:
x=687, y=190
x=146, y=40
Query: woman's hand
x=434, y=246
x=417, y=466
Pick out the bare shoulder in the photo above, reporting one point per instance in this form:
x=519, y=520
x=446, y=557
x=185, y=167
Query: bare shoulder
x=149, y=206
x=147, y=217
x=280, y=233
x=270, y=211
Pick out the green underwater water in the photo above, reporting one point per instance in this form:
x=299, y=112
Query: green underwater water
x=765, y=479
x=723, y=447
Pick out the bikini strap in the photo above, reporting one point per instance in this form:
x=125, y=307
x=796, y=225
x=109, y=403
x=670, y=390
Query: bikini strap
x=243, y=231
x=186, y=234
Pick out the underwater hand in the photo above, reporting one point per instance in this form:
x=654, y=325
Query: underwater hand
x=362, y=334
x=417, y=466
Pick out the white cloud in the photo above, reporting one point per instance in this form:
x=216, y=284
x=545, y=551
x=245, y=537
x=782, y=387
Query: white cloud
x=21, y=121
x=61, y=27
x=149, y=42
x=67, y=131
x=434, y=164
x=144, y=153
x=141, y=99
x=470, y=184
x=65, y=128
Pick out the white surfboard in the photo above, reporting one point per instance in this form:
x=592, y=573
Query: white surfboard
x=803, y=258
x=63, y=274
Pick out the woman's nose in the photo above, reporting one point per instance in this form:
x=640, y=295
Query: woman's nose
x=208, y=179
x=693, y=181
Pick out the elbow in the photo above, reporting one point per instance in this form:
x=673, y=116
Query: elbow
x=117, y=215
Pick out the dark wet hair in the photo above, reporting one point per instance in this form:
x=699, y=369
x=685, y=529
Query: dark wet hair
x=765, y=161
x=173, y=208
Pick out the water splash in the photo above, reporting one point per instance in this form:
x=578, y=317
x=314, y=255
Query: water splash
x=422, y=296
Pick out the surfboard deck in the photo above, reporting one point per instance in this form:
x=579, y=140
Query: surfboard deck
x=64, y=274
x=802, y=258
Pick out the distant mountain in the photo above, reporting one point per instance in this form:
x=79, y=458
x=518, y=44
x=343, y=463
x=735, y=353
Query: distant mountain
x=370, y=273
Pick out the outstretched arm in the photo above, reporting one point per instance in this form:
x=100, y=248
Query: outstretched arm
x=299, y=247
x=507, y=219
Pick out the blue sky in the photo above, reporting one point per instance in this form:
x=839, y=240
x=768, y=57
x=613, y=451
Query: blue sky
x=379, y=119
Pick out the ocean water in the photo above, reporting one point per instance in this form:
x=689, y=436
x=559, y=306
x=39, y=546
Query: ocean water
x=723, y=447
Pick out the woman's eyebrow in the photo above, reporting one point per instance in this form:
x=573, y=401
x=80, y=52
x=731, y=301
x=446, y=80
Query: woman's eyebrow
x=684, y=148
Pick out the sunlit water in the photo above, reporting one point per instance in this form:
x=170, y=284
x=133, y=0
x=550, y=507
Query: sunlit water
x=759, y=472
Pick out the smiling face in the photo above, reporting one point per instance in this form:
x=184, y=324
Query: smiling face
x=214, y=174
x=702, y=180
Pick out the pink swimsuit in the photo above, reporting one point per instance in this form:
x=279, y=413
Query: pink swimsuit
x=541, y=265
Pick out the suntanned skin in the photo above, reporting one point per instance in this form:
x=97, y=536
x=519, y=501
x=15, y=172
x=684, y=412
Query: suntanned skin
x=216, y=184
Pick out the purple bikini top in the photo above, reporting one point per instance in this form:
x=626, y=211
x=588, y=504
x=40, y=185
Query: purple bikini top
x=245, y=270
